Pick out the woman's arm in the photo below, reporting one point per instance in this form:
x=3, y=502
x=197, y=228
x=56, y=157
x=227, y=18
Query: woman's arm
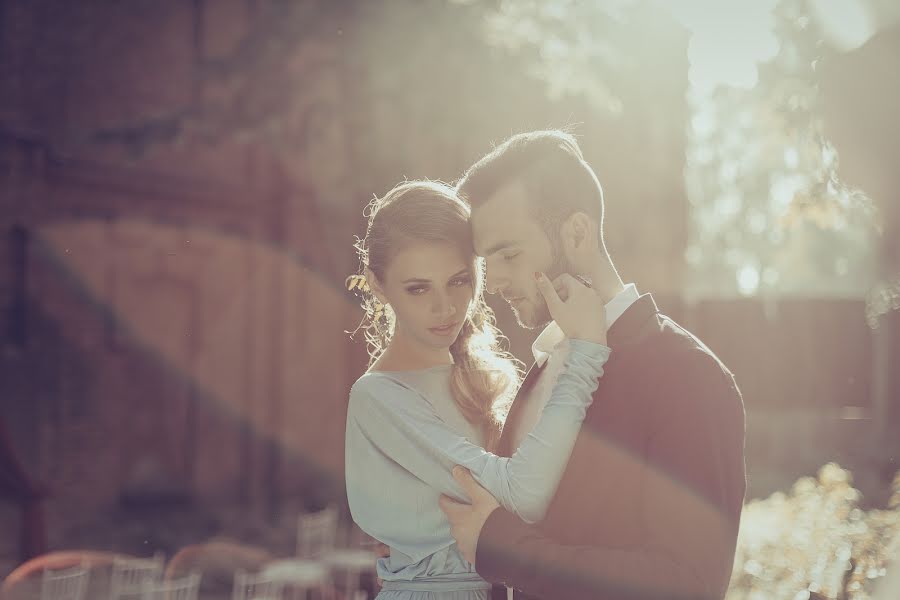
x=402, y=424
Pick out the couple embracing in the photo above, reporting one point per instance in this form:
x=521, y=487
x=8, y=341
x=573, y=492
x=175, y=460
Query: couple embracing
x=613, y=470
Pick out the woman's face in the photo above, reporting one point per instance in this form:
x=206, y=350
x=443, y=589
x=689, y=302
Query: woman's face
x=430, y=287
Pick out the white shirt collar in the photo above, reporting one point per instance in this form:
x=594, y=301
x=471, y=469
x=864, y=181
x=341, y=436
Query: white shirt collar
x=552, y=336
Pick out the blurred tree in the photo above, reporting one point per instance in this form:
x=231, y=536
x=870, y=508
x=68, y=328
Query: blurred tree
x=770, y=214
x=860, y=93
x=576, y=48
x=861, y=90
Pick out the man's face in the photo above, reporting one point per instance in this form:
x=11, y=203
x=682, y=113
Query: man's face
x=514, y=245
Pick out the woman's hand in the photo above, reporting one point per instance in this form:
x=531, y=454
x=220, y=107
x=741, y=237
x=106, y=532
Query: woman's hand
x=582, y=315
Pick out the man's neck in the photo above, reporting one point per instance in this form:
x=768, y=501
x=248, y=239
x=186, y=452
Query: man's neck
x=605, y=280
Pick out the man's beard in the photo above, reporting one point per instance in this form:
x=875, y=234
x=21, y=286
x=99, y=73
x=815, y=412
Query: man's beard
x=541, y=316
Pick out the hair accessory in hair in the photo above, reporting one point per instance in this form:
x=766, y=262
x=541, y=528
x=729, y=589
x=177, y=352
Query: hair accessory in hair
x=377, y=310
x=357, y=282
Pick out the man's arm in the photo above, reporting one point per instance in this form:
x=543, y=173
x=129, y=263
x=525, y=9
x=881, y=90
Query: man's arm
x=695, y=483
x=529, y=561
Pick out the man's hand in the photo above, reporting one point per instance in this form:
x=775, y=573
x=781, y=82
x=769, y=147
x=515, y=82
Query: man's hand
x=575, y=306
x=466, y=520
x=381, y=551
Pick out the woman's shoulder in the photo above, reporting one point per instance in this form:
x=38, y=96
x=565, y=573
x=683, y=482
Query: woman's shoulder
x=375, y=386
x=374, y=380
x=379, y=392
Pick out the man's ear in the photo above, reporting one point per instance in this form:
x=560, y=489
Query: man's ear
x=578, y=235
x=375, y=286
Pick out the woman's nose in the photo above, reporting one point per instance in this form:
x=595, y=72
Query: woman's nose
x=443, y=306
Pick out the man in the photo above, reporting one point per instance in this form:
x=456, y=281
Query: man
x=650, y=501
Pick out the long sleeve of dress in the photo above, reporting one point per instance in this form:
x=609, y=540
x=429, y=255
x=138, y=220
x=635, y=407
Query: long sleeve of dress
x=393, y=433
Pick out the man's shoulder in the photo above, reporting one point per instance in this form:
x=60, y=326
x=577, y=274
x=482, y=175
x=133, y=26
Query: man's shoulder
x=680, y=364
x=675, y=343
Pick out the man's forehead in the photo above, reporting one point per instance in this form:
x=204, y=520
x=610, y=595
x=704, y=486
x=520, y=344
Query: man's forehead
x=504, y=217
x=492, y=234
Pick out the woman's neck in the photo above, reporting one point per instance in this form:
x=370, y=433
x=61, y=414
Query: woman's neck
x=403, y=353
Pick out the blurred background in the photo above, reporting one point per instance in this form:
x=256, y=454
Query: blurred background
x=181, y=182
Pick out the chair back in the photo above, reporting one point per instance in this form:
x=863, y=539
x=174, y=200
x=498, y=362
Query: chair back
x=316, y=532
x=65, y=584
x=129, y=575
x=184, y=588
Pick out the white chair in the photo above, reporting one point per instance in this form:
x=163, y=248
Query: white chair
x=184, y=588
x=300, y=578
x=256, y=587
x=129, y=575
x=65, y=584
x=316, y=532
x=348, y=567
x=353, y=561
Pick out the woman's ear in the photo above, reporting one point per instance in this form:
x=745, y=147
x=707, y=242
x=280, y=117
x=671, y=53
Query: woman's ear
x=375, y=286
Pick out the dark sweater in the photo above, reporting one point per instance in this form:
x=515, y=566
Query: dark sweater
x=650, y=502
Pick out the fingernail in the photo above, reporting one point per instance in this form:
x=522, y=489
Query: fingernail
x=537, y=275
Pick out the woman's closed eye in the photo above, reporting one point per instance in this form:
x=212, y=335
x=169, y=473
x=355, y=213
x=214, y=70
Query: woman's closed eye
x=511, y=256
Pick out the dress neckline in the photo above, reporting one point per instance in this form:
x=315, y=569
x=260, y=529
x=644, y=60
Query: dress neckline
x=422, y=370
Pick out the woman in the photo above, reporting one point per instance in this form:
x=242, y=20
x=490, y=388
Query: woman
x=437, y=390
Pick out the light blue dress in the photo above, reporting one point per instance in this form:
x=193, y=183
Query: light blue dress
x=405, y=434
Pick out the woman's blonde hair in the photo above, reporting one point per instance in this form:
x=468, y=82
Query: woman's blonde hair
x=484, y=377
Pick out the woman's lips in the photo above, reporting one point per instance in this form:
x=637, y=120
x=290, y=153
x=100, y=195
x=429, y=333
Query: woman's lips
x=445, y=329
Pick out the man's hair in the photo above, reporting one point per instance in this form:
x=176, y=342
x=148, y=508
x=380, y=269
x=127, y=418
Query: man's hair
x=553, y=171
